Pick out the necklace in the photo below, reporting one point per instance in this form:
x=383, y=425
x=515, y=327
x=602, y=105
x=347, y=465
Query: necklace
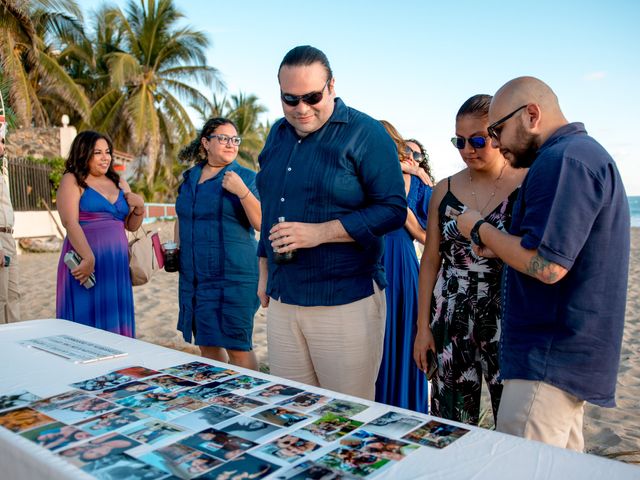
x=493, y=193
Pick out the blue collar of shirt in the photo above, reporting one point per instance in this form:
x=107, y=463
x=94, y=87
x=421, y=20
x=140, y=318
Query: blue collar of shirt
x=567, y=130
x=192, y=176
x=340, y=115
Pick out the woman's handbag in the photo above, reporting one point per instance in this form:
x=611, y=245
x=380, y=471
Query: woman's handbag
x=143, y=260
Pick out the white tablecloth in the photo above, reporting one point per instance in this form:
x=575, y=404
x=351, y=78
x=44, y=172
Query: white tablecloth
x=480, y=454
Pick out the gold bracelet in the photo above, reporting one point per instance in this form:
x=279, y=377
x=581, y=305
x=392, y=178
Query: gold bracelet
x=245, y=195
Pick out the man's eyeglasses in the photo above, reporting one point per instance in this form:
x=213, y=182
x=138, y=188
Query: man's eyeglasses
x=309, y=98
x=225, y=139
x=493, y=130
x=417, y=156
x=479, y=141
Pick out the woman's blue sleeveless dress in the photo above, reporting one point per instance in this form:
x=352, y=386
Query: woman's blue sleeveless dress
x=109, y=304
x=400, y=383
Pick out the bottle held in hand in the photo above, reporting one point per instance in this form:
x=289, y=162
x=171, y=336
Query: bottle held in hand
x=171, y=257
x=285, y=257
x=72, y=260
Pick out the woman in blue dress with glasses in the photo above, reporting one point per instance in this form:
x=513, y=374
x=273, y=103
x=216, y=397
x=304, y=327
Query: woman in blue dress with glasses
x=218, y=210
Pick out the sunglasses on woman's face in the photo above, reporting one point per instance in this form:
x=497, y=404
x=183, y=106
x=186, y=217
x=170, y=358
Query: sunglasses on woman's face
x=478, y=141
x=310, y=98
x=417, y=156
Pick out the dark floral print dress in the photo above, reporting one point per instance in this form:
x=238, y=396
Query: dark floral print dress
x=465, y=312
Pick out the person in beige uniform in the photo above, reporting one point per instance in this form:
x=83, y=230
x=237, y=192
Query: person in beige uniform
x=9, y=293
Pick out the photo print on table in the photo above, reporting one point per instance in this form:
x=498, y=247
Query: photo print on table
x=152, y=431
x=218, y=444
x=98, y=449
x=60, y=401
x=238, y=403
x=436, y=434
x=56, y=435
x=180, y=460
x=243, y=382
x=353, y=462
x=204, y=392
x=147, y=399
x=82, y=409
x=306, y=401
x=19, y=398
x=209, y=374
x=102, y=382
x=280, y=416
x=244, y=466
x=289, y=448
x=248, y=428
x=110, y=421
x=394, y=424
x=137, y=372
x=184, y=369
x=205, y=418
x=328, y=428
x=23, y=418
x=275, y=393
x=169, y=383
x=344, y=408
x=122, y=466
x=125, y=390
x=173, y=408
x=379, y=445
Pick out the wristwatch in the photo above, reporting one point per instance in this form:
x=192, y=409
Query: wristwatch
x=475, y=233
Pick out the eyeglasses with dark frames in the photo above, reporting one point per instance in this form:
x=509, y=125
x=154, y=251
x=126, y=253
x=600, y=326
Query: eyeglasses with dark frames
x=225, y=139
x=417, y=156
x=310, y=98
x=493, y=130
x=477, y=141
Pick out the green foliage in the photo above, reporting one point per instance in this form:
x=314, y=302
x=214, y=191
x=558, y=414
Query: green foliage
x=56, y=164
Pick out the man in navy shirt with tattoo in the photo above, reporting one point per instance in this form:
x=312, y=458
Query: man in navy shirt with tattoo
x=330, y=186
x=568, y=257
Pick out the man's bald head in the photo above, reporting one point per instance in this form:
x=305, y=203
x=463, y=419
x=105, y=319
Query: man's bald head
x=523, y=90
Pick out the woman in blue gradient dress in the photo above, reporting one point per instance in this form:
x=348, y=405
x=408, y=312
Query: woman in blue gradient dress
x=95, y=207
x=400, y=382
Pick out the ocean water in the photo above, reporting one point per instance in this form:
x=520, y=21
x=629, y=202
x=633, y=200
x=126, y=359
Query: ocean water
x=634, y=207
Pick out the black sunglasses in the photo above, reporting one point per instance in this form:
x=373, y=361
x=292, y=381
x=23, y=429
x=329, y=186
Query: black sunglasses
x=417, y=156
x=309, y=98
x=493, y=130
x=479, y=141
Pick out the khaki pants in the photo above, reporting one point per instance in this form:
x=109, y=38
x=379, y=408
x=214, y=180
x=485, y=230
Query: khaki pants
x=337, y=347
x=539, y=411
x=9, y=293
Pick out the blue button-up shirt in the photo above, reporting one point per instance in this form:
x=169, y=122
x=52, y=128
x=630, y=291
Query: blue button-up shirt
x=347, y=170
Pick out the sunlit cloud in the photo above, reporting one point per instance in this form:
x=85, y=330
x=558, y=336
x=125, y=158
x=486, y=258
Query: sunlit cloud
x=595, y=76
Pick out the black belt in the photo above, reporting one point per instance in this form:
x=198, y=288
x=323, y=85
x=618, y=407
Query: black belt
x=6, y=230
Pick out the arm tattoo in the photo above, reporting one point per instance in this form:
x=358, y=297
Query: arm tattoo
x=542, y=269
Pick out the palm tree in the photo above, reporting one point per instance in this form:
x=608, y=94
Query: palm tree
x=155, y=67
x=28, y=58
x=244, y=110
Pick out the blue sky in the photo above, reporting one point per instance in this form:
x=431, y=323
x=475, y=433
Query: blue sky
x=414, y=63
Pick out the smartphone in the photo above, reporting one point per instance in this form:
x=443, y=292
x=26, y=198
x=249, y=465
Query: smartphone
x=451, y=212
x=7, y=260
x=72, y=260
x=432, y=364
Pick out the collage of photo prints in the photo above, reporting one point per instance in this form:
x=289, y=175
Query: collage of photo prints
x=201, y=421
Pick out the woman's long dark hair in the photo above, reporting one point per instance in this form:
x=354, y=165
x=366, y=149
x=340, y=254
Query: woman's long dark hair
x=81, y=152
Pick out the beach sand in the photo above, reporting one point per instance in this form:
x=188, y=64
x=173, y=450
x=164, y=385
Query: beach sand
x=609, y=432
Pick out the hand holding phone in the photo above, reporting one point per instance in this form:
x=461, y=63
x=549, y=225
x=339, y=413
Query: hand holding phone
x=432, y=364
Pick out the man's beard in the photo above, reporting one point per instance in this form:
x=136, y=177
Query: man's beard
x=525, y=154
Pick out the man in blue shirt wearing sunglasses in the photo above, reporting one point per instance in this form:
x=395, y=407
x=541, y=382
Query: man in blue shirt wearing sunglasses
x=568, y=256
x=332, y=173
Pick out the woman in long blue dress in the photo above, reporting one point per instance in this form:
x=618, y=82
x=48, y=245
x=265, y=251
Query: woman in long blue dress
x=218, y=210
x=95, y=207
x=400, y=382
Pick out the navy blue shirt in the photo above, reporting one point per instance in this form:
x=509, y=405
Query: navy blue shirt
x=347, y=170
x=572, y=207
